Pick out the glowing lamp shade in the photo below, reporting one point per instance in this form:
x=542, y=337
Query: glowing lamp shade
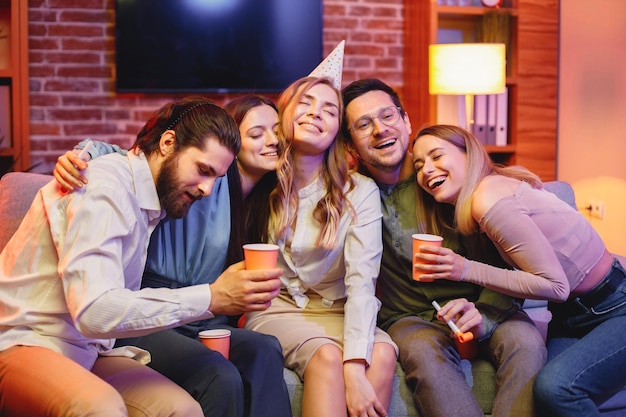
x=467, y=68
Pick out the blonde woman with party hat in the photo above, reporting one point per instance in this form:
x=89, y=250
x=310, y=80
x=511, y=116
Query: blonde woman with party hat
x=327, y=222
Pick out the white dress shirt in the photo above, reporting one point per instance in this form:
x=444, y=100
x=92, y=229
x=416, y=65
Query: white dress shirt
x=70, y=276
x=349, y=270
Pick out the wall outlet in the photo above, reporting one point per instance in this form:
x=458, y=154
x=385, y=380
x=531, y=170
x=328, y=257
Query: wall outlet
x=596, y=209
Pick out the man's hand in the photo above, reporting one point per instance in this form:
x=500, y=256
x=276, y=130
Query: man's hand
x=238, y=290
x=464, y=314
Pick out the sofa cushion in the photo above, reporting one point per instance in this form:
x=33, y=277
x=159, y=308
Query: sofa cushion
x=17, y=190
x=480, y=375
x=563, y=190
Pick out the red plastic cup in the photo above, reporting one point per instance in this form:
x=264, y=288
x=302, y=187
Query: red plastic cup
x=216, y=339
x=260, y=255
x=467, y=349
x=420, y=239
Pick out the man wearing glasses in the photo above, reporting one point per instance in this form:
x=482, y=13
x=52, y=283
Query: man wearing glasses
x=378, y=131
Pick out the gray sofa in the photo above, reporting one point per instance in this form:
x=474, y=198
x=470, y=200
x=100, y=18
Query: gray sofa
x=17, y=191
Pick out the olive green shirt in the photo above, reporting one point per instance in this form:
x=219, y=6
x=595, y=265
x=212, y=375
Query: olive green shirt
x=401, y=296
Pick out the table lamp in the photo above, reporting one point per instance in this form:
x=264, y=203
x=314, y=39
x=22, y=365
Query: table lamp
x=467, y=69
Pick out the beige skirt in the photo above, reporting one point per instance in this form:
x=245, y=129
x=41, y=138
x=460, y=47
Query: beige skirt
x=302, y=331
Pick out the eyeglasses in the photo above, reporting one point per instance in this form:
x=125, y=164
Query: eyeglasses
x=364, y=126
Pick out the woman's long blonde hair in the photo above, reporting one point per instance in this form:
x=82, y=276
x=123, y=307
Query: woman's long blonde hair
x=334, y=174
x=431, y=215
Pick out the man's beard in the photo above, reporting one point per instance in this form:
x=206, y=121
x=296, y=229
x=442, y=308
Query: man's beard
x=171, y=194
x=383, y=165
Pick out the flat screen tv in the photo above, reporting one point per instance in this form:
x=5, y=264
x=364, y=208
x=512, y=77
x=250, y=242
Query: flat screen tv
x=217, y=46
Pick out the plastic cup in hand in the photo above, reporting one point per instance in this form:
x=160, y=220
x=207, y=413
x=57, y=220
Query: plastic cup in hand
x=217, y=339
x=420, y=239
x=467, y=349
x=260, y=255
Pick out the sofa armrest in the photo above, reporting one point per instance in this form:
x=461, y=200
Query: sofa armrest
x=17, y=191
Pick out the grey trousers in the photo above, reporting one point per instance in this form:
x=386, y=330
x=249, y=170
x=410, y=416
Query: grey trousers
x=433, y=367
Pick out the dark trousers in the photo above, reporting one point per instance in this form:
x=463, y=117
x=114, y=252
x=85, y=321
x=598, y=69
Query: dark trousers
x=249, y=384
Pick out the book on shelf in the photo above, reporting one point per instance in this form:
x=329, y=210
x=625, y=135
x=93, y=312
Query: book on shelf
x=490, y=135
x=491, y=118
x=480, y=118
x=502, y=118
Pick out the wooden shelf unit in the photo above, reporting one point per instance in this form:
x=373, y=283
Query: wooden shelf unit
x=532, y=65
x=15, y=145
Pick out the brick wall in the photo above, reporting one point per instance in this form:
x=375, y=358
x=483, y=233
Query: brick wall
x=72, y=57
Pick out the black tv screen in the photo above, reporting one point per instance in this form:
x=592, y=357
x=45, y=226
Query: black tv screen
x=215, y=45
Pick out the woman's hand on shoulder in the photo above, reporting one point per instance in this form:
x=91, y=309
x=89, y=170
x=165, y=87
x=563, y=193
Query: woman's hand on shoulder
x=67, y=171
